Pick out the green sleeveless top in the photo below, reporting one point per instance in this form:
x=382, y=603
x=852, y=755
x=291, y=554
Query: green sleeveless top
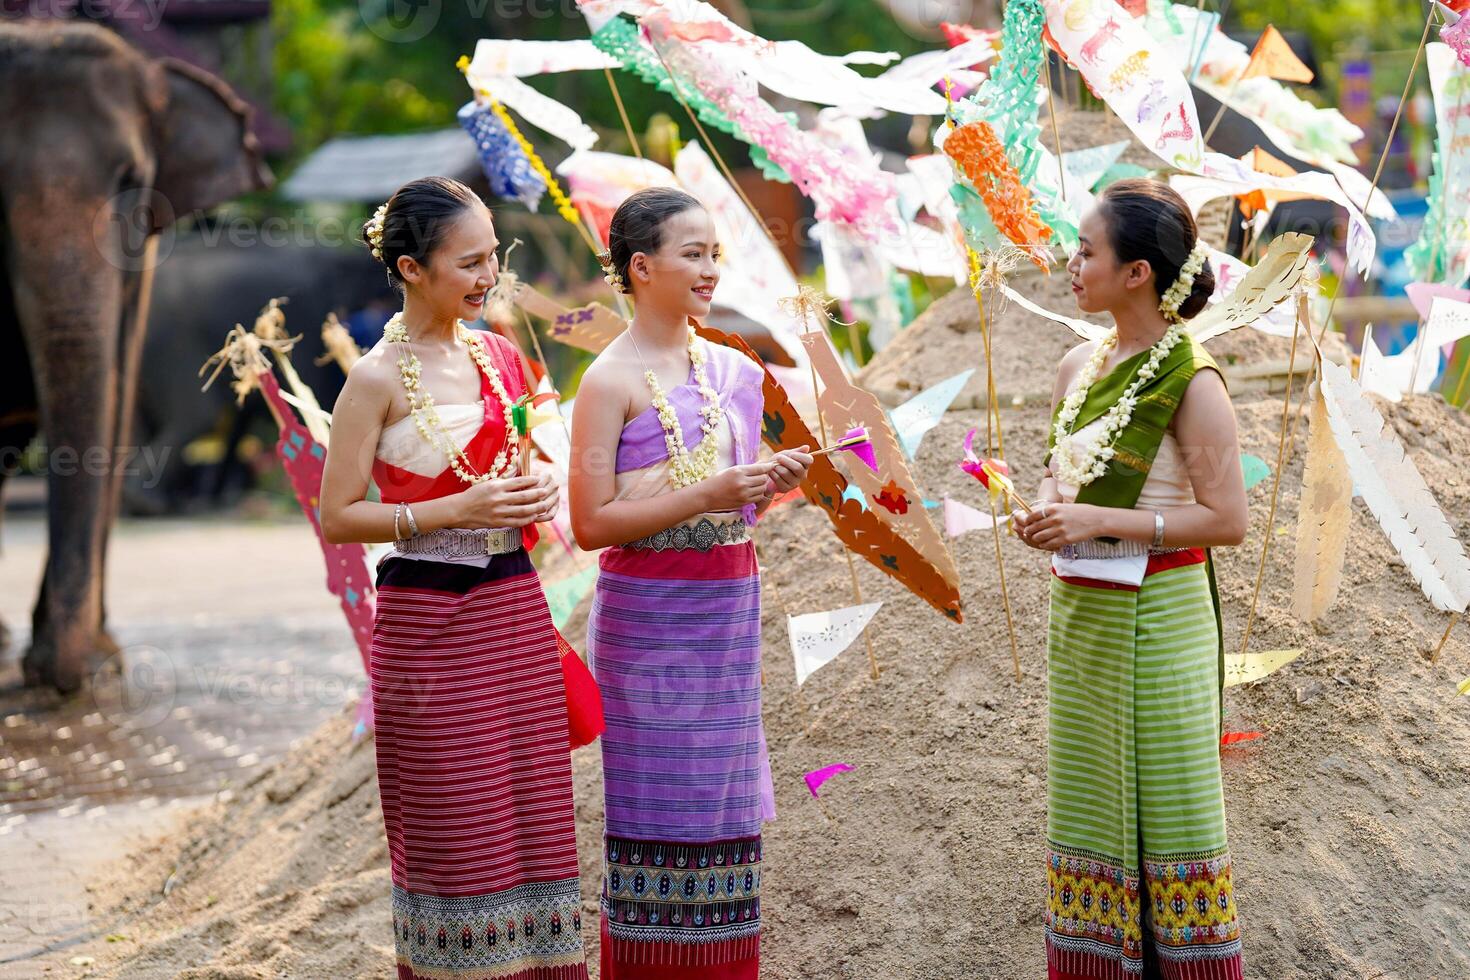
x=1136, y=446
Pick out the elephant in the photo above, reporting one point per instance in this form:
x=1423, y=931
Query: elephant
x=214, y=278
x=101, y=150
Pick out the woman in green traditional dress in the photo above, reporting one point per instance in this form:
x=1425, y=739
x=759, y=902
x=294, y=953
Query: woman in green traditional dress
x=1143, y=478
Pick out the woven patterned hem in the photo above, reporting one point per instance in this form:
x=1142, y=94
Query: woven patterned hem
x=681, y=905
x=532, y=932
x=576, y=970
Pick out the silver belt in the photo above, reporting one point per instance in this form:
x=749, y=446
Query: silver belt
x=463, y=542
x=1098, y=548
x=703, y=535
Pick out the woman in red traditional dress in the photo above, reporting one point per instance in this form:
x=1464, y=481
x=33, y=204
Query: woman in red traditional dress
x=471, y=712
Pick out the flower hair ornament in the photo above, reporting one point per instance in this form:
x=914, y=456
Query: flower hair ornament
x=1184, y=285
x=374, y=229
x=610, y=274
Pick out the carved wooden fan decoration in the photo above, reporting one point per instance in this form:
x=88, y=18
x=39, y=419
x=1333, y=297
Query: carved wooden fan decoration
x=866, y=534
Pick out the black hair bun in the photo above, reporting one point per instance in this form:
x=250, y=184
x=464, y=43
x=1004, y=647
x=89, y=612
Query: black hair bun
x=1199, y=294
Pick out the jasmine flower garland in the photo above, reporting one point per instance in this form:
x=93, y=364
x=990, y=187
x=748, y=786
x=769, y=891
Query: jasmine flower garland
x=1067, y=467
x=1177, y=293
x=685, y=469
x=426, y=417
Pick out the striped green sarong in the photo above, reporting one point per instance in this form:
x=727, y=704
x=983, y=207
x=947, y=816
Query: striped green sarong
x=1133, y=780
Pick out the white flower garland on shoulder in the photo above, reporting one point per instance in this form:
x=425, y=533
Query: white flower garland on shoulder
x=426, y=416
x=1093, y=464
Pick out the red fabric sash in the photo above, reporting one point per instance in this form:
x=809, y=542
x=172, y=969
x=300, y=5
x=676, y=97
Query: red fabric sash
x=402, y=486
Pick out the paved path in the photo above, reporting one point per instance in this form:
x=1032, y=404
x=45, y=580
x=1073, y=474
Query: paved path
x=232, y=649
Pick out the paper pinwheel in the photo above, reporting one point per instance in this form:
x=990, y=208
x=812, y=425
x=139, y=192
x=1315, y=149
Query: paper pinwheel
x=857, y=442
x=994, y=474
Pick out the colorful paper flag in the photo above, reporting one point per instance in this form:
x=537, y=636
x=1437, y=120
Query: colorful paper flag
x=817, y=777
x=817, y=638
x=564, y=596
x=1272, y=57
x=1242, y=668
x=1464, y=688
x=914, y=418
x=1235, y=738
x=1254, y=469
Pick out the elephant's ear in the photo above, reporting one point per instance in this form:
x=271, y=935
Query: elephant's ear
x=206, y=150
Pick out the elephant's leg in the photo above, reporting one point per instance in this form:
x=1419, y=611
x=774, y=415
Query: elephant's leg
x=70, y=326
x=132, y=324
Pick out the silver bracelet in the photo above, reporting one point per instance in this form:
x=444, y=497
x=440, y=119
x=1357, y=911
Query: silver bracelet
x=397, y=510
x=1158, y=528
x=413, y=525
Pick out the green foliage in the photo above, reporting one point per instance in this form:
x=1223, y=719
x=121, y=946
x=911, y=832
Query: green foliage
x=344, y=68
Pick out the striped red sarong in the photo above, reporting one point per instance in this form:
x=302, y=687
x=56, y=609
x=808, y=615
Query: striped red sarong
x=475, y=773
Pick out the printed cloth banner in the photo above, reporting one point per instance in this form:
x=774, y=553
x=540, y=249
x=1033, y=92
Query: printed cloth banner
x=500, y=56
x=915, y=417
x=817, y=638
x=1127, y=68
x=1124, y=67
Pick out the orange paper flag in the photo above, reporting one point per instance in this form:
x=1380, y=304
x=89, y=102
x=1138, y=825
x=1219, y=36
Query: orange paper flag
x=1263, y=162
x=1273, y=58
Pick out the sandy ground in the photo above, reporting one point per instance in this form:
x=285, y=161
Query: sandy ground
x=1347, y=819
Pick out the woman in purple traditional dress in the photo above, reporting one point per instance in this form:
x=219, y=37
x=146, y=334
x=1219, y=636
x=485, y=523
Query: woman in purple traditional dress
x=665, y=475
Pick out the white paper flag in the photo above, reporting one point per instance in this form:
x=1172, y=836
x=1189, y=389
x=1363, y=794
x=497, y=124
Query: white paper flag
x=817, y=638
x=960, y=518
x=915, y=417
x=507, y=56
x=541, y=111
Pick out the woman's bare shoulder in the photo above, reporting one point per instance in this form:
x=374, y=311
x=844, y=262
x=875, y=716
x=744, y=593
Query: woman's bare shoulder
x=372, y=377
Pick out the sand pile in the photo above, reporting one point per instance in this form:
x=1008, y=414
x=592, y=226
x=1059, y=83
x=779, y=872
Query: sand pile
x=1347, y=819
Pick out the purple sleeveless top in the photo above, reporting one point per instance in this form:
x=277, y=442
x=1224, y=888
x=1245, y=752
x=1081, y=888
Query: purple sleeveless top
x=737, y=379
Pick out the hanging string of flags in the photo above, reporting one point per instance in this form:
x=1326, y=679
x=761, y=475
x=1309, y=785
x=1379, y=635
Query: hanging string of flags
x=992, y=185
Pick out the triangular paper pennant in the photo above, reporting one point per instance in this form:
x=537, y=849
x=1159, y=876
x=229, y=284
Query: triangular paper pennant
x=817, y=777
x=1272, y=57
x=817, y=638
x=1089, y=165
x=915, y=417
x=563, y=597
x=1422, y=294
x=1242, y=668
x=961, y=518
x=1254, y=469
x=1265, y=163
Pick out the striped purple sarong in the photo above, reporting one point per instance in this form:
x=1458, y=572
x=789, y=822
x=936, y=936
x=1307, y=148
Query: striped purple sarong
x=675, y=643
x=674, y=640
